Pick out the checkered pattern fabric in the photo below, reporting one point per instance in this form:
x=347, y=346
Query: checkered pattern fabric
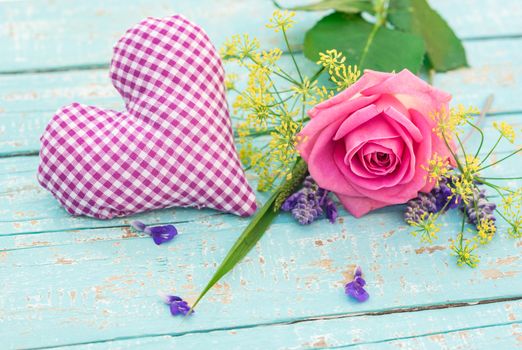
x=173, y=146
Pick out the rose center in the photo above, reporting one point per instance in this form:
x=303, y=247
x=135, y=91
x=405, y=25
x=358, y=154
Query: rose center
x=380, y=163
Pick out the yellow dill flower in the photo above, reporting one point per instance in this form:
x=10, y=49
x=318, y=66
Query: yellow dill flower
x=306, y=89
x=229, y=50
x=486, y=229
x=331, y=59
x=320, y=94
x=463, y=250
x=282, y=145
x=463, y=187
x=512, y=211
x=345, y=76
x=270, y=57
x=472, y=166
x=230, y=81
x=437, y=168
x=448, y=122
x=426, y=228
x=281, y=20
x=506, y=130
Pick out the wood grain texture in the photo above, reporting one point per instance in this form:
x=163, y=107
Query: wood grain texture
x=93, y=284
x=494, y=325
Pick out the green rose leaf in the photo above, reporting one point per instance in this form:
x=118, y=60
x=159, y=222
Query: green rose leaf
x=445, y=50
x=367, y=45
x=346, y=6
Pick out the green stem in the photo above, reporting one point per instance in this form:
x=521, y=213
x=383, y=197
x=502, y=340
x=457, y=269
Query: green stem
x=481, y=138
x=381, y=10
x=501, y=160
x=289, y=79
x=291, y=54
x=462, y=148
x=316, y=75
x=502, y=178
x=491, y=150
x=258, y=225
x=452, y=153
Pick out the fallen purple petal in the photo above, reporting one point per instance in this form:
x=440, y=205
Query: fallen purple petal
x=355, y=289
x=161, y=234
x=177, y=305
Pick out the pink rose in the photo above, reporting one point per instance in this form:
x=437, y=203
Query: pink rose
x=370, y=144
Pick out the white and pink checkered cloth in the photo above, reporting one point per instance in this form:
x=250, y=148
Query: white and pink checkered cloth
x=173, y=146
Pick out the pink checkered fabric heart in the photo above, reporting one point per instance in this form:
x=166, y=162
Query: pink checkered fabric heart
x=173, y=146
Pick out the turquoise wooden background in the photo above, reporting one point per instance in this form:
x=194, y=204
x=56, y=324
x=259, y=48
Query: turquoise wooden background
x=82, y=283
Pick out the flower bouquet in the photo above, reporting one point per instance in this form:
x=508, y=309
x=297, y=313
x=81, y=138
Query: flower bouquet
x=372, y=139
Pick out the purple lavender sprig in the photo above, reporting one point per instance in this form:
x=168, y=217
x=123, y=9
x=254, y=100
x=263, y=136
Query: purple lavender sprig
x=439, y=198
x=310, y=203
x=479, y=208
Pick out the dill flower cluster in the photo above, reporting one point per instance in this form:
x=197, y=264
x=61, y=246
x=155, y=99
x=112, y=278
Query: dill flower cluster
x=464, y=187
x=270, y=111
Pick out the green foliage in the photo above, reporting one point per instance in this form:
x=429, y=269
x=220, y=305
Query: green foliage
x=264, y=108
x=246, y=241
x=402, y=34
x=464, y=183
x=298, y=175
x=255, y=229
x=346, y=6
x=444, y=49
x=372, y=47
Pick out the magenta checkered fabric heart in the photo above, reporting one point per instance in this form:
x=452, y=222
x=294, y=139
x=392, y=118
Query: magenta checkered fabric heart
x=173, y=146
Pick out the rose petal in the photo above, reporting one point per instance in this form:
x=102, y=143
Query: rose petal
x=411, y=91
x=386, y=101
x=356, y=119
x=358, y=206
x=322, y=165
x=377, y=129
x=340, y=112
x=401, y=193
x=369, y=78
x=400, y=118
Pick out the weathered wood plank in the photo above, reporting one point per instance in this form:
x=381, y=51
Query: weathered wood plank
x=495, y=337
x=107, y=289
x=473, y=327
x=25, y=207
x=28, y=101
x=64, y=34
x=63, y=286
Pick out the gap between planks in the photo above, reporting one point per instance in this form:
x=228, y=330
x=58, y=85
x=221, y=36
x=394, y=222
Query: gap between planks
x=382, y=312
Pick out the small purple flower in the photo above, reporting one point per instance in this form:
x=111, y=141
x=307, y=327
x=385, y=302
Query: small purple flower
x=177, y=305
x=479, y=208
x=443, y=194
x=331, y=210
x=159, y=234
x=355, y=288
x=309, y=203
x=291, y=201
x=439, y=198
